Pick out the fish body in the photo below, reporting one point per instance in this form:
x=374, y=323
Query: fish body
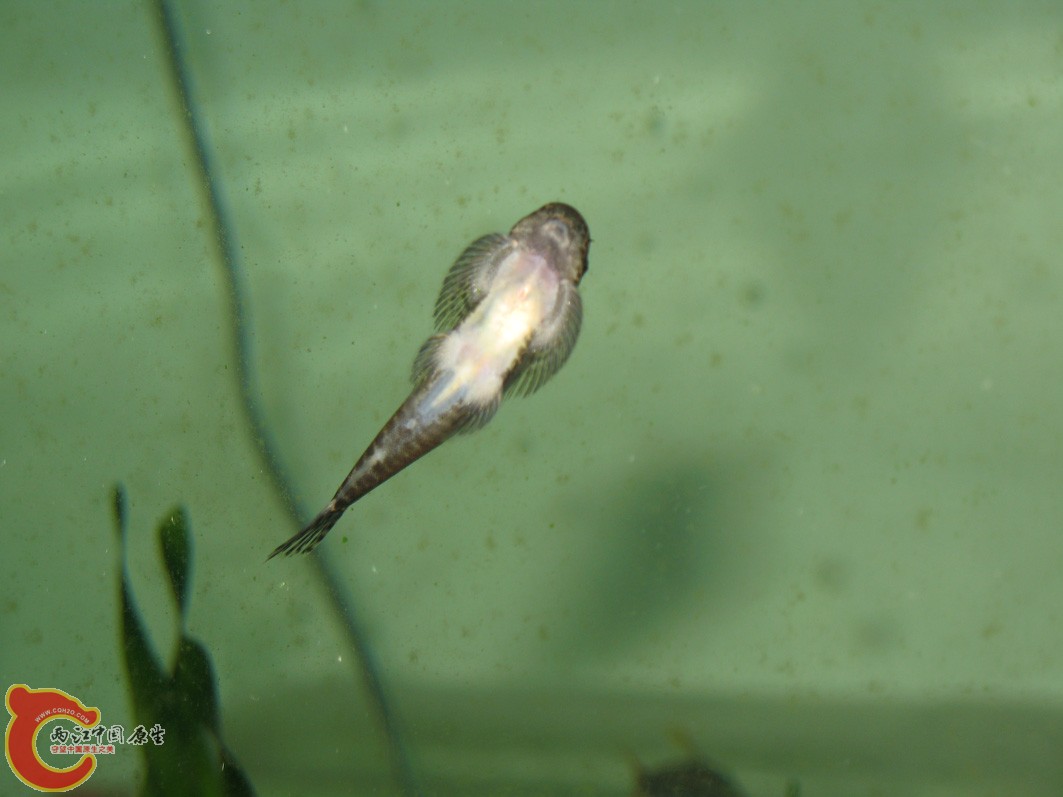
x=506, y=319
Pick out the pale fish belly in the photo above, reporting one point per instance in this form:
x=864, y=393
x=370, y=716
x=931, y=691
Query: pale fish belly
x=484, y=348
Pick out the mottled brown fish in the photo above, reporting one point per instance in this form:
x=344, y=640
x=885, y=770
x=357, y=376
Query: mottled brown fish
x=506, y=320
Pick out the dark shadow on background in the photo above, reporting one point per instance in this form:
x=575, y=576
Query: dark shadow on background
x=675, y=538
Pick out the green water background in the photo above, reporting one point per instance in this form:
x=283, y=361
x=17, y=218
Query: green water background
x=807, y=452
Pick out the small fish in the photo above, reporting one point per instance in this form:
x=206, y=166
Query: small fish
x=506, y=320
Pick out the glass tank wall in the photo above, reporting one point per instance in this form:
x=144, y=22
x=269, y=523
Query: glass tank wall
x=790, y=514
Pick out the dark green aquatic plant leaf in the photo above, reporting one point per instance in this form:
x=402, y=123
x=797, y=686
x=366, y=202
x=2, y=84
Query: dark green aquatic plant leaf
x=234, y=781
x=194, y=678
x=147, y=678
x=176, y=553
x=180, y=705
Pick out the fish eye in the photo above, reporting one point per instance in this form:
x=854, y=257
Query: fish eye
x=558, y=230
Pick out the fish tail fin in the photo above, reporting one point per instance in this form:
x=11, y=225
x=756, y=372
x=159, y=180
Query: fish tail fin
x=315, y=531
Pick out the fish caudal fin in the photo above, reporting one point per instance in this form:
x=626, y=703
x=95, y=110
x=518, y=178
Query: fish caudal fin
x=307, y=539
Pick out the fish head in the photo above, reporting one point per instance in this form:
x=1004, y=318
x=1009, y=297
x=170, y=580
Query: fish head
x=558, y=232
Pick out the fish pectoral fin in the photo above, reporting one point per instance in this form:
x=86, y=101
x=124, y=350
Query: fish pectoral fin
x=466, y=281
x=424, y=363
x=476, y=416
x=541, y=361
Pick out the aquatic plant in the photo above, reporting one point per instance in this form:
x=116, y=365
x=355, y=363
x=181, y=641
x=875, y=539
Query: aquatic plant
x=183, y=698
